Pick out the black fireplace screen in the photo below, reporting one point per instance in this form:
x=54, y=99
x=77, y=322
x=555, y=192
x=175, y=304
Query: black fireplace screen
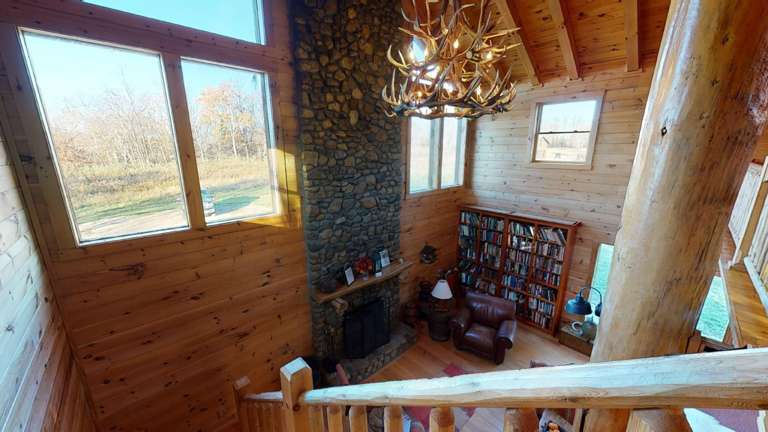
x=365, y=329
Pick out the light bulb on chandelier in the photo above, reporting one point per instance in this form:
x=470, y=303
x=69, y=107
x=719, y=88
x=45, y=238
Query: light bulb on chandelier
x=448, y=61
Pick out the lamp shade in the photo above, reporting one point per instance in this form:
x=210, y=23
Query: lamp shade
x=578, y=305
x=442, y=290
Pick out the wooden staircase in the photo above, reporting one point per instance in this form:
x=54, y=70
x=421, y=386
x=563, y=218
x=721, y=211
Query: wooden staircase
x=731, y=379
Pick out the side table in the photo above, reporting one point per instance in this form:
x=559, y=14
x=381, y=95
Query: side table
x=439, y=328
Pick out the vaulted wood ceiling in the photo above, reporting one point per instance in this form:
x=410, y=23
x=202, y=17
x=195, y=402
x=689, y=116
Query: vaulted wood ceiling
x=570, y=38
x=573, y=37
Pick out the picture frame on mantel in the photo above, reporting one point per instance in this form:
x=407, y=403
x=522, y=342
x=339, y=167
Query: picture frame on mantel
x=384, y=257
x=349, y=275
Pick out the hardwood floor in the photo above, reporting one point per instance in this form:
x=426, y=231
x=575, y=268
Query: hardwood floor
x=428, y=358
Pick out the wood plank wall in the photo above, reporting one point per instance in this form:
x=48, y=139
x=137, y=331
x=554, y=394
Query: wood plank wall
x=162, y=328
x=40, y=385
x=500, y=175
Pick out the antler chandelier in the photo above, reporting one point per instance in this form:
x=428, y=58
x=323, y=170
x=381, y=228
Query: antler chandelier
x=451, y=66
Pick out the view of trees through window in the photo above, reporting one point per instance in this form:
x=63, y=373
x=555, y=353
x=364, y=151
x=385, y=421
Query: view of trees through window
x=108, y=118
x=428, y=138
x=231, y=135
x=564, y=131
x=109, y=124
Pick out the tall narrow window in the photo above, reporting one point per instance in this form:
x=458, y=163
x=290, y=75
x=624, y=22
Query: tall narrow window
x=600, y=277
x=107, y=118
x=436, y=153
x=714, y=318
x=239, y=19
x=564, y=133
x=232, y=131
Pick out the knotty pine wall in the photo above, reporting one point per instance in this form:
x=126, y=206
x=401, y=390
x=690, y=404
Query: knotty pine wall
x=40, y=385
x=500, y=175
x=162, y=327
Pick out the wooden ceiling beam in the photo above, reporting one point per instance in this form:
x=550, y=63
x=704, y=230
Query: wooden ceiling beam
x=564, y=37
x=632, y=35
x=511, y=19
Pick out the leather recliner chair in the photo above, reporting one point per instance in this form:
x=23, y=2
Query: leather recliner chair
x=486, y=326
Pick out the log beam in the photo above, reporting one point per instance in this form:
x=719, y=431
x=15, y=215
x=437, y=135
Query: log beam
x=632, y=35
x=511, y=19
x=564, y=37
x=706, y=109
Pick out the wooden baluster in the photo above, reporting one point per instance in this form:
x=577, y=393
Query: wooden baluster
x=358, y=419
x=521, y=420
x=266, y=419
x=335, y=418
x=277, y=412
x=295, y=379
x=241, y=407
x=393, y=419
x=316, y=420
x=441, y=420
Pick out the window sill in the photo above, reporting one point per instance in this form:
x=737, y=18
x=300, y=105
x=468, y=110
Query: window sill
x=561, y=165
x=422, y=194
x=284, y=221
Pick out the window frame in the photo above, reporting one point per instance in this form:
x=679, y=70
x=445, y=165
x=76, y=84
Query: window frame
x=535, y=122
x=436, y=161
x=171, y=42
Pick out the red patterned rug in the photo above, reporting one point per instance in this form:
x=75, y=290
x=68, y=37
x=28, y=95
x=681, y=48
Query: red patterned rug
x=421, y=414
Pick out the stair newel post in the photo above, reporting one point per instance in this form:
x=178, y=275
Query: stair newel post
x=393, y=419
x=521, y=420
x=706, y=109
x=239, y=388
x=358, y=419
x=295, y=380
x=441, y=420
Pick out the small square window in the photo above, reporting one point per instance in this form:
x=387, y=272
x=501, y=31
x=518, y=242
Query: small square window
x=239, y=19
x=563, y=133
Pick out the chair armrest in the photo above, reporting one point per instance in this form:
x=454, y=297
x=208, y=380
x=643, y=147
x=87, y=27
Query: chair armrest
x=506, y=333
x=460, y=323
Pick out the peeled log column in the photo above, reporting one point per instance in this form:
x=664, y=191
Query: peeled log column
x=706, y=109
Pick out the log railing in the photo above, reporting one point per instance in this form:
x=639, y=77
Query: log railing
x=732, y=379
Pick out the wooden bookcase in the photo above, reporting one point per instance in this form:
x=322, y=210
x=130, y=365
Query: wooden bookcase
x=520, y=257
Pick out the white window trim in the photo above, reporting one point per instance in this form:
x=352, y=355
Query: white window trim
x=436, y=160
x=533, y=130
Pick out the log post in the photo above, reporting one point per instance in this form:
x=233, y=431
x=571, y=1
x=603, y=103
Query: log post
x=706, y=108
x=295, y=379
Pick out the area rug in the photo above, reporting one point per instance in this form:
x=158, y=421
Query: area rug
x=461, y=415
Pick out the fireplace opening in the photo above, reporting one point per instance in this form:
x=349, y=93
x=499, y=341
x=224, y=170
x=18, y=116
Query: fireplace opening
x=365, y=329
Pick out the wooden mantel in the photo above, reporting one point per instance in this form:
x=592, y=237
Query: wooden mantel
x=388, y=273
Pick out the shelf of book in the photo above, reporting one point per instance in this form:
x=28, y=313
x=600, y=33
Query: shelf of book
x=520, y=257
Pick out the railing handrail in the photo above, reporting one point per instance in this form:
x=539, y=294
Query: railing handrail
x=732, y=379
x=266, y=397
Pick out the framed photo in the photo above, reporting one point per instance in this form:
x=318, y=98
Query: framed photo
x=384, y=256
x=349, y=274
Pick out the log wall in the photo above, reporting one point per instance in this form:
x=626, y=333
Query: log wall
x=40, y=384
x=501, y=176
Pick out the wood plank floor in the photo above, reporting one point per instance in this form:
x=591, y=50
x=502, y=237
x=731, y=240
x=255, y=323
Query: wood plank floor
x=428, y=359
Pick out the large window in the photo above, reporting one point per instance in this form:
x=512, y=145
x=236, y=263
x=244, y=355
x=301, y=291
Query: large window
x=110, y=130
x=112, y=134
x=230, y=127
x=239, y=19
x=563, y=133
x=436, y=153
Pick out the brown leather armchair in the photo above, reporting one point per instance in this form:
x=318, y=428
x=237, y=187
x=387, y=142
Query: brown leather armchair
x=486, y=326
